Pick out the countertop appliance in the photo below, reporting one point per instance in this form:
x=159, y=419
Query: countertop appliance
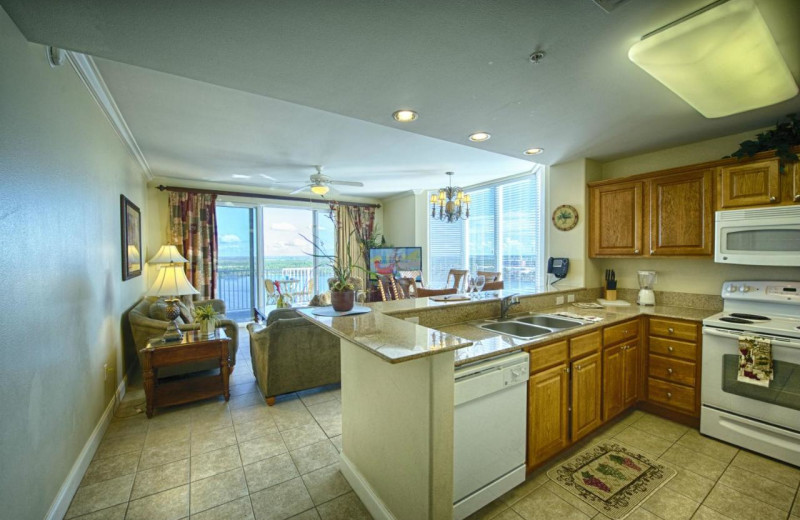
x=758, y=236
x=489, y=431
x=761, y=419
x=646, y=294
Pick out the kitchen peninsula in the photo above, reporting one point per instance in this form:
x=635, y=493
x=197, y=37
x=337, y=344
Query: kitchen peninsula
x=398, y=389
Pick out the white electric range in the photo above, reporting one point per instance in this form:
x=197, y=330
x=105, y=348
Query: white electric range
x=761, y=419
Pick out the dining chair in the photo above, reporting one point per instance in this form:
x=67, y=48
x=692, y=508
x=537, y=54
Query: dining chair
x=422, y=292
x=457, y=275
x=491, y=276
x=493, y=286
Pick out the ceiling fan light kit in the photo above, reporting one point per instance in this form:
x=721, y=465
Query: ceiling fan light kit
x=453, y=203
x=319, y=189
x=721, y=60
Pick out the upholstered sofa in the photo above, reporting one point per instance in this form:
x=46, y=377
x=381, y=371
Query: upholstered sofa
x=148, y=320
x=290, y=353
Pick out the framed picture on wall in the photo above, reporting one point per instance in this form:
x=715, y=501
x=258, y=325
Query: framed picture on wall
x=131, y=231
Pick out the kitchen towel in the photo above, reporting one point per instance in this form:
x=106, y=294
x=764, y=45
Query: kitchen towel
x=755, y=360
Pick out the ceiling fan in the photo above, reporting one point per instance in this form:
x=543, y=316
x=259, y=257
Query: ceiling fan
x=320, y=184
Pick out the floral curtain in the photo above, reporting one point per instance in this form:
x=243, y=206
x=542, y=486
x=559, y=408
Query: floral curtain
x=364, y=224
x=193, y=226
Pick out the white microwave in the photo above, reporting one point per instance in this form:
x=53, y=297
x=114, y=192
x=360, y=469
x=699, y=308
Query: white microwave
x=758, y=236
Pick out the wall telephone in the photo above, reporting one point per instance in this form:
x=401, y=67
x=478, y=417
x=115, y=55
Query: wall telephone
x=558, y=267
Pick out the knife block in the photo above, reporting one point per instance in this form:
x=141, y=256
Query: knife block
x=610, y=294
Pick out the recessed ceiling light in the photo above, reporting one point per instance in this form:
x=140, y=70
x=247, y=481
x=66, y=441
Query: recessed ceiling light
x=480, y=136
x=405, y=116
x=240, y=176
x=533, y=151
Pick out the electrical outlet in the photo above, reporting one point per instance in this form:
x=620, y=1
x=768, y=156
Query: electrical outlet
x=570, y=298
x=413, y=319
x=105, y=371
x=559, y=300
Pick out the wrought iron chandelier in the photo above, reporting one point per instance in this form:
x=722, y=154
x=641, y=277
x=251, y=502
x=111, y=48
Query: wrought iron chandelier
x=452, y=201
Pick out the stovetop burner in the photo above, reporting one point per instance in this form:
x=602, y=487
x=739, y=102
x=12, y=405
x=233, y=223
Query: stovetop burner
x=730, y=319
x=745, y=316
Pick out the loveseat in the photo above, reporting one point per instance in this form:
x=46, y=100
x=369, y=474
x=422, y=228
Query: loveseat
x=148, y=320
x=290, y=353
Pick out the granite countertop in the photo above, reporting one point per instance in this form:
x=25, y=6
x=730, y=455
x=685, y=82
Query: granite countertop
x=396, y=340
x=392, y=339
x=487, y=344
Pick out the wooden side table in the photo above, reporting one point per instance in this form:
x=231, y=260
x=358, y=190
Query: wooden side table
x=192, y=348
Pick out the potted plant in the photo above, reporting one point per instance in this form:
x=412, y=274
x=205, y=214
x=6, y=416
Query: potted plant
x=343, y=292
x=206, y=316
x=284, y=300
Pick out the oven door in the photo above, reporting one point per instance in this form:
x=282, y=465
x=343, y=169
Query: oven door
x=778, y=404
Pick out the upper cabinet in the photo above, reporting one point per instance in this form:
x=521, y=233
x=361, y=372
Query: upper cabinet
x=681, y=214
x=671, y=213
x=751, y=184
x=615, y=212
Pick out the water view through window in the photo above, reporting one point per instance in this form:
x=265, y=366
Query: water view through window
x=283, y=250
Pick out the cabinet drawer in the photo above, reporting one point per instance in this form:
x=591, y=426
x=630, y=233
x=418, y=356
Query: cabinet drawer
x=547, y=356
x=673, y=329
x=585, y=344
x=672, y=395
x=615, y=333
x=673, y=370
x=672, y=348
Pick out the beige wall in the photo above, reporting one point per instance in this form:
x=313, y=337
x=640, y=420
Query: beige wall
x=699, y=276
x=63, y=169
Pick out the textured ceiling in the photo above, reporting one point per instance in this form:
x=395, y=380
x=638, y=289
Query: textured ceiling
x=463, y=65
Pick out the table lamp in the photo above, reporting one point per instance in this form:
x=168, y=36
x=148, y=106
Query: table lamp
x=171, y=282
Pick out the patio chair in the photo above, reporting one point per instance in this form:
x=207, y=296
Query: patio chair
x=272, y=294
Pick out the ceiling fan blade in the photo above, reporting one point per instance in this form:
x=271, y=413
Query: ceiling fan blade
x=298, y=190
x=346, y=183
x=273, y=179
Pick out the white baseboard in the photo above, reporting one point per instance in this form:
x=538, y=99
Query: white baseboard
x=371, y=501
x=61, y=503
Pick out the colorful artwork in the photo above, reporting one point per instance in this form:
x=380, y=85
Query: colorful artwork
x=390, y=260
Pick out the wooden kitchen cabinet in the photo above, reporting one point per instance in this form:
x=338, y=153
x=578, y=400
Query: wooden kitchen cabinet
x=616, y=219
x=751, y=184
x=621, y=367
x=586, y=395
x=548, y=413
x=681, y=214
x=796, y=182
x=631, y=370
x=612, y=381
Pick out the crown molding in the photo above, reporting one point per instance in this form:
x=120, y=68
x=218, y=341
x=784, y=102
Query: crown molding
x=87, y=70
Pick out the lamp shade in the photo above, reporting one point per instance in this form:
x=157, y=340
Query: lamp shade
x=721, y=61
x=167, y=255
x=171, y=281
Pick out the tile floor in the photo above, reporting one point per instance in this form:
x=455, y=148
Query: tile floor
x=244, y=460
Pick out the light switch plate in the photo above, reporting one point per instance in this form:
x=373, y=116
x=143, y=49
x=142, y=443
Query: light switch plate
x=570, y=298
x=559, y=300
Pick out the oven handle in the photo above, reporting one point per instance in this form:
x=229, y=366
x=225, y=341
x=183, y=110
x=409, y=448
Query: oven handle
x=734, y=334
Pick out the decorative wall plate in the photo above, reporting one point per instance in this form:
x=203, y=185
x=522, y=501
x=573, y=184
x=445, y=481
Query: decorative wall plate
x=565, y=217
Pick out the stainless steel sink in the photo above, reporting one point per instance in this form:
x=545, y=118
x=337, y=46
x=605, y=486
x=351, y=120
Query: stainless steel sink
x=516, y=329
x=551, y=322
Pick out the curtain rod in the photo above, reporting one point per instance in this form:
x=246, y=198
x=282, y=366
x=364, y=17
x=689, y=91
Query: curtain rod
x=266, y=196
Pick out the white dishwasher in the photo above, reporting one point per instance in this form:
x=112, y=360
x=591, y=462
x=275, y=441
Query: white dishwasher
x=489, y=431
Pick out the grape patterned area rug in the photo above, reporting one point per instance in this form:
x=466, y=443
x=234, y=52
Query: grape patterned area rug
x=612, y=478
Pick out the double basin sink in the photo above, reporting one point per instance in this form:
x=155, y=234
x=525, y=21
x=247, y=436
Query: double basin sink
x=527, y=327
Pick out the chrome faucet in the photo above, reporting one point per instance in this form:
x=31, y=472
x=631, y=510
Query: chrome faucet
x=506, y=303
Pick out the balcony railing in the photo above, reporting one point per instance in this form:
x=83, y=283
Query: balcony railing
x=235, y=286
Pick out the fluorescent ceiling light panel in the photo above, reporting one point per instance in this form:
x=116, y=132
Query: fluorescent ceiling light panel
x=721, y=61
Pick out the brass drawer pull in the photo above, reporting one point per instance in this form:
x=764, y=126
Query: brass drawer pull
x=670, y=349
x=671, y=330
x=773, y=199
x=636, y=251
x=669, y=371
x=669, y=395
x=577, y=367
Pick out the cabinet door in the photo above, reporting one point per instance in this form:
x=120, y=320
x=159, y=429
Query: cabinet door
x=548, y=406
x=616, y=219
x=613, y=381
x=586, y=395
x=752, y=184
x=632, y=377
x=681, y=214
x=795, y=168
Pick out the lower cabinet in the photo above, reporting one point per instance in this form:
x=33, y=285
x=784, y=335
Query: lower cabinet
x=587, y=395
x=548, y=416
x=621, y=380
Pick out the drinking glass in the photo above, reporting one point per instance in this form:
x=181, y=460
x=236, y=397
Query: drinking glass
x=470, y=284
x=480, y=281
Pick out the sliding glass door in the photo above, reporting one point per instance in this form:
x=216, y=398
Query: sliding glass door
x=236, y=268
